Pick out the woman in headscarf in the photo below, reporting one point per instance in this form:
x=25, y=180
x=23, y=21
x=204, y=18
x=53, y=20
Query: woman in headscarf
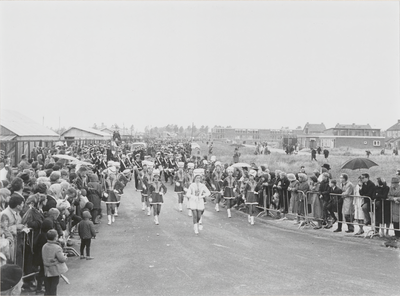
x=53, y=194
x=316, y=203
x=94, y=194
x=250, y=192
x=156, y=192
x=357, y=203
x=32, y=219
x=294, y=195
x=304, y=187
x=196, y=193
x=5, y=197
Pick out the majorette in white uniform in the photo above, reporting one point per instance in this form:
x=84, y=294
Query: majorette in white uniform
x=196, y=193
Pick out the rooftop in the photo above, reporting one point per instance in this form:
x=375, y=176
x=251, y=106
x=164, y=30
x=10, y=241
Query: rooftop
x=22, y=125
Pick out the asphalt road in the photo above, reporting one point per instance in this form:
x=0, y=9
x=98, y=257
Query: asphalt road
x=229, y=257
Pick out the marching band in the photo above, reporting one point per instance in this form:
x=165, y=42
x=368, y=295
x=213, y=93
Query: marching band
x=193, y=180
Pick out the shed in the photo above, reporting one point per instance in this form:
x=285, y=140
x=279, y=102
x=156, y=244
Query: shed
x=81, y=133
x=19, y=134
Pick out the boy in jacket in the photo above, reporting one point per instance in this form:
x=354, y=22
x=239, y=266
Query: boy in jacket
x=54, y=263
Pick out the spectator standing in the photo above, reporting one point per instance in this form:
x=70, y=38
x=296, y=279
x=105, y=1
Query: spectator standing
x=23, y=164
x=86, y=233
x=347, y=203
x=54, y=263
x=358, y=211
x=313, y=154
x=236, y=155
x=381, y=194
x=326, y=153
x=394, y=197
x=367, y=189
x=335, y=203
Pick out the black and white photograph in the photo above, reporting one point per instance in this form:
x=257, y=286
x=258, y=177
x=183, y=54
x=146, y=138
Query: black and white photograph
x=174, y=148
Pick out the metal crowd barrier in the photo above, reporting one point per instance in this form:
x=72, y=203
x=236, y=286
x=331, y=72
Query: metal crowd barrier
x=381, y=212
x=385, y=211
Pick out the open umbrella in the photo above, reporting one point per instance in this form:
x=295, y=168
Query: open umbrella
x=359, y=163
x=237, y=145
x=64, y=156
x=241, y=165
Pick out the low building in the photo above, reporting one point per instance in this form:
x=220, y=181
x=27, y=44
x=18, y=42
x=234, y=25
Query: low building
x=19, y=134
x=80, y=133
x=394, y=130
x=252, y=135
x=344, y=135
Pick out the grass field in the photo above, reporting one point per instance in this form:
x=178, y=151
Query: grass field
x=388, y=164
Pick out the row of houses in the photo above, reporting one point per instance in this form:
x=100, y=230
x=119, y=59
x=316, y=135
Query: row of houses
x=317, y=135
x=17, y=128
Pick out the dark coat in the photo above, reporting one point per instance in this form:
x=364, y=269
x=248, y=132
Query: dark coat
x=368, y=189
x=324, y=190
x=50, y=204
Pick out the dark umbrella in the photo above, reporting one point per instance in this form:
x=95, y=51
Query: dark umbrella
x=359, y=163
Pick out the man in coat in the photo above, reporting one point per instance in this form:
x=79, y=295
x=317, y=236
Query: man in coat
x=347, y=203
x=367, y=189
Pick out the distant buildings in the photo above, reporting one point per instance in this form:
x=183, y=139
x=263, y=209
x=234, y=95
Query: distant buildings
x=393, y=136
x=313, y=135
x=252, y=135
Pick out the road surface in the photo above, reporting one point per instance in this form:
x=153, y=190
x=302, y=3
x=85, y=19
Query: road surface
x=229, y=257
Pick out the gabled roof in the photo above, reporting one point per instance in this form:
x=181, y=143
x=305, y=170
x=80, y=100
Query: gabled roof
x=315, y=127
x=107, y=130
x=353, y=126
x=23, y=126
x=395, y=127
x=88, y=130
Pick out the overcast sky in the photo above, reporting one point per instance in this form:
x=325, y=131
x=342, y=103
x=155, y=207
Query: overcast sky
x=245, y=64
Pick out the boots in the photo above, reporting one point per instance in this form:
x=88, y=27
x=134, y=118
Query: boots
x=180, y=207
x=190, y=213
x=113, y=218
x=249, y=218
x=229, y=213
x=196, y=229
x=252, y=220
x=148, y=211
x=156, y=219
x=116, y=211
x=143, y=206
x=217, y=207
x=109, y=219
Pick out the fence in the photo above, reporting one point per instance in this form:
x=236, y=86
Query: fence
x=309, y=208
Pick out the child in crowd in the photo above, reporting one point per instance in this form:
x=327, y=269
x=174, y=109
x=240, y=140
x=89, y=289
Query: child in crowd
x=86, y=232
x=54, y=263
